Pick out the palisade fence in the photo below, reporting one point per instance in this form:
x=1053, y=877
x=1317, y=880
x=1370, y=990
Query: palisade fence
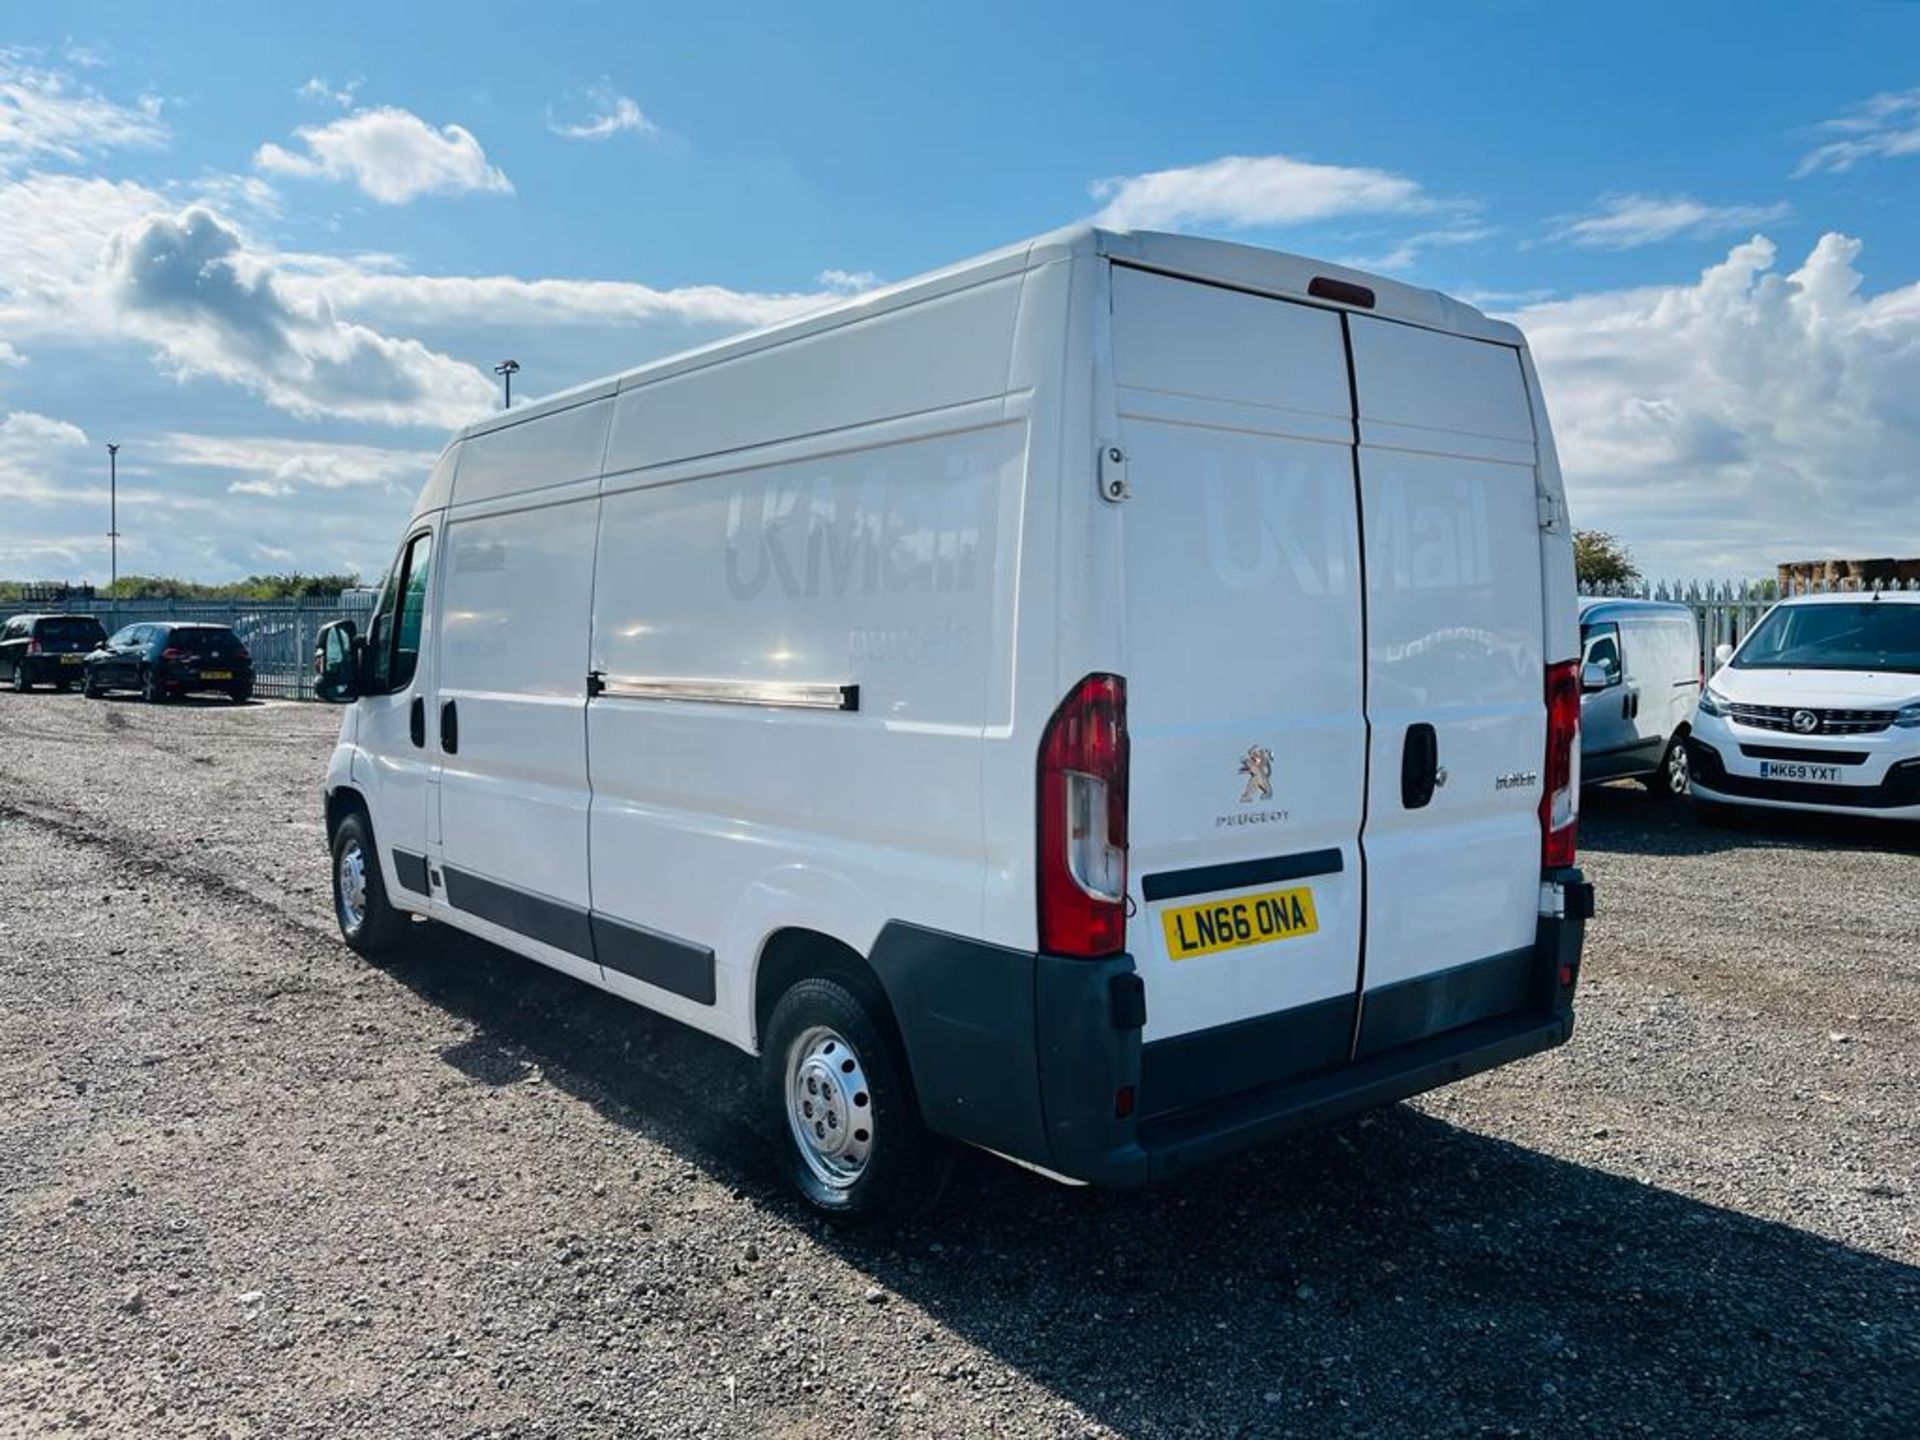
x=1728, y=609
x=280, y=633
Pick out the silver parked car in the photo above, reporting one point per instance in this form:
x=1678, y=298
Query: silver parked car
x=1639, y=682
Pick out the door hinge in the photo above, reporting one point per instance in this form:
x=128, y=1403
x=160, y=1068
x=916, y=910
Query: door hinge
x=596, y=684
x=1552, y=511
x=1114, y=486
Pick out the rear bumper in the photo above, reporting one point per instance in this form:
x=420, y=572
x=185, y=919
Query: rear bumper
x=51, y=669
x=1036, y=1056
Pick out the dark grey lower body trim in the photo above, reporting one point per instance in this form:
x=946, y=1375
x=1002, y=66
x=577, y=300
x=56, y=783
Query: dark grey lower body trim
x=411, y=871
x=647, y=955
x=1187, y=1070
x=549, y=921
x=667, y=961
x=1409, y=1010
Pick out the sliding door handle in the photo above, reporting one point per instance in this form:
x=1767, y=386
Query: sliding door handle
x=450, y=727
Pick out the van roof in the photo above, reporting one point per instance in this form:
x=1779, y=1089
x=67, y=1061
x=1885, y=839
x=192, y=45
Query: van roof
x=1602, y=607
x=1222, y=262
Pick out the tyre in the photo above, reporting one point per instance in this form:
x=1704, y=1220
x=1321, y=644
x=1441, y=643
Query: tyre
x=367, y=922
x=21, y=684
x=90, y=685
x=1670, y=781
x=151, y=689
x=838, y=1102
x=240, y=694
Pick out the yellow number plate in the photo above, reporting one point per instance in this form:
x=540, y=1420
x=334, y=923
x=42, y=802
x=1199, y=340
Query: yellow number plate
x=1229, y=924
x=216, y=674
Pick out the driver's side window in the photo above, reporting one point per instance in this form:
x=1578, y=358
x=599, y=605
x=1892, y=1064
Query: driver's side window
x=393, y=640
x=1603, y=649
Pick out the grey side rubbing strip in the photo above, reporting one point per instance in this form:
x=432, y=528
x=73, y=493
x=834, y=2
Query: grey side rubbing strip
x=411, y=870
x=561, y=926
x=664, y=960
x=795, y=694
x=647, y=955
x=1209, y=879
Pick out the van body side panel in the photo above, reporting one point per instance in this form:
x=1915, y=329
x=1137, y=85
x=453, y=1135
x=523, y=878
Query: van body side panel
x=880, y=567
x=511, y=694
x=1243, y=607
x=1454, y=642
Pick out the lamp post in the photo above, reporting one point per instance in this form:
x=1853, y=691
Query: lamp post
x=113, y=512
x=506, y=370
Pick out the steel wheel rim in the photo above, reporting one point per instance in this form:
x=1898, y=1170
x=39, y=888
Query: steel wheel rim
x=829, y=1107
x=1677, y=771
x=353, y=886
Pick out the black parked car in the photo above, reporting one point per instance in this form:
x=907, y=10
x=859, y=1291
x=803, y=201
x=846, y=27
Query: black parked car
x=47, y=649
x=166, y=659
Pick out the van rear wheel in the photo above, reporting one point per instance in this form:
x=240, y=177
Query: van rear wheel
x=836, y=1097
x=367, y=921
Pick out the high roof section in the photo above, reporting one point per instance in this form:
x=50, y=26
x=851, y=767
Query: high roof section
x=1246, y=267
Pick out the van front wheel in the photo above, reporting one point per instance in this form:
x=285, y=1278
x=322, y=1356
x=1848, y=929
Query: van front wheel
x=837, y=1100
x=367, y=922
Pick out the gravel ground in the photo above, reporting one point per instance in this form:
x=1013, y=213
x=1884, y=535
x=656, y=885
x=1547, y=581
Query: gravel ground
x=251, y=1186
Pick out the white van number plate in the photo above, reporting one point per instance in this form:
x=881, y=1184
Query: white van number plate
x=1800, y=770
x=1229, y=924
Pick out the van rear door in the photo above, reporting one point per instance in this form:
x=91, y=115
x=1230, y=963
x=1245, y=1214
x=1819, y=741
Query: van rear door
x=1455, y=678
x=1244, y=648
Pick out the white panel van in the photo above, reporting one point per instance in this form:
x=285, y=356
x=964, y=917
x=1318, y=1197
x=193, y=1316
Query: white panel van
x=1640, y=677
x=1110, y=703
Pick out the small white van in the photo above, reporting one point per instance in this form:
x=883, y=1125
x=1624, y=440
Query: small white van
x=1639, y=679
x=1110, y=703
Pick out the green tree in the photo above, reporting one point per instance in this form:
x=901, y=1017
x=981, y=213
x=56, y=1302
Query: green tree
x=1600, y=559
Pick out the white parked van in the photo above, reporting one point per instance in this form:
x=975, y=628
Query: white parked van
x=1110, y=702
x=1819, y=709
x=1639, y=679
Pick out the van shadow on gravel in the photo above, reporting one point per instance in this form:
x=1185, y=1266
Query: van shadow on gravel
x=1394, y=1275
x=1622, y=817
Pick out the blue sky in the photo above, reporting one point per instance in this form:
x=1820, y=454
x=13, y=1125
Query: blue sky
x=275, y=254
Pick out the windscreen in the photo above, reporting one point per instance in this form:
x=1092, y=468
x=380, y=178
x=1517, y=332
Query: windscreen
x=1868, y=635
x=70, y=630
x=203, y=637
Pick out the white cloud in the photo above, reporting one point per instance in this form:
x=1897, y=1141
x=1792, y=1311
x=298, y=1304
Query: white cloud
x=10, y=358
x=608, y=114
x=508, y=301
x=1883, y=128
x=45, y=115
x=36, y=452
x=277, y=466
x=190, y=286
x=1408, y=252
x=1746, y=418
x=1625, y=221
x=847, y=282
x=391, y=154
x=1244, y=191
x=322, y=90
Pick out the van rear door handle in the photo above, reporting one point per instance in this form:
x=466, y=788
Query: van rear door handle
x=417, y=723
x=1420, y=770
x=450, y=727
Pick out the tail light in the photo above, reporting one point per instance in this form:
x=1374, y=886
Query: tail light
x=240, y=652
x=174, y=652
x=1560, y=798
x=1083, y=821
x=33, y=647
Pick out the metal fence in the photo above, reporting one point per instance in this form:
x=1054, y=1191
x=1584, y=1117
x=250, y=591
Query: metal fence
x=280, y=633
x=1728, y=609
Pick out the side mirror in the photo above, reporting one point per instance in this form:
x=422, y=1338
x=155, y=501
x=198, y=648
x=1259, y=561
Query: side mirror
x=1595, y=677
x=1722, y=653
x=336, y=663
